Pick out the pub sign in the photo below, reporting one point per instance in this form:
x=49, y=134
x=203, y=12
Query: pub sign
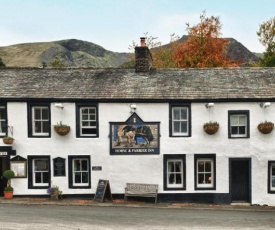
x=134, y=137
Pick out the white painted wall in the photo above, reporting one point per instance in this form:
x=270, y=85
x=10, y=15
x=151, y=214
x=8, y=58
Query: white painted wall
x=149, y=168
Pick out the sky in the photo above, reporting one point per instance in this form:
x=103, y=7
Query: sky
x=114, y=24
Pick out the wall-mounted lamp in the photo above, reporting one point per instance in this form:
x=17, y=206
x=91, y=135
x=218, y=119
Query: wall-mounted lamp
x=59, y=105
x=209, y=105
x=133, y=108
x=265, y=104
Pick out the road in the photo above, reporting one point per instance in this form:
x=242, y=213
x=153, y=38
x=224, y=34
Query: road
x=44, y=217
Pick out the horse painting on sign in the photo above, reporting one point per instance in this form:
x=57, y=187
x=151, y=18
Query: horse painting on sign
x=134, y=136
x=145, y=133
x=139, y=138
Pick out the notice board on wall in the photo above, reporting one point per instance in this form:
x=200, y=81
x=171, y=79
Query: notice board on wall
x=103, y=191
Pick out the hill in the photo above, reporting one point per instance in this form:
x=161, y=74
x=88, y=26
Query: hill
x=72, y=52
x=235, y=50
x=78, y=53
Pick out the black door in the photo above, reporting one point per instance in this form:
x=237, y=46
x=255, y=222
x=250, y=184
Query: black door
x=240, y=180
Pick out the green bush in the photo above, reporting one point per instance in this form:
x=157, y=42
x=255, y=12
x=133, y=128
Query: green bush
x=8, y=174
x=8, y=189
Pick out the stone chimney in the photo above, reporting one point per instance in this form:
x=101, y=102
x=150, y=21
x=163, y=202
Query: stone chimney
x=143, y=57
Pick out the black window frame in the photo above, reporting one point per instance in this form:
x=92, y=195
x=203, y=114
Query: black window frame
x=174, y=105
x=239, y=112
x=167, y=157
x=205, y=156
x=6, y=122
x=270, y=163
x=78, y=131
x=30, y=119
x=30, y=171
x=70, y=171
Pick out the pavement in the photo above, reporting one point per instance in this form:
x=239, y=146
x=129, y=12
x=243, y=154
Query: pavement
x=137, y=204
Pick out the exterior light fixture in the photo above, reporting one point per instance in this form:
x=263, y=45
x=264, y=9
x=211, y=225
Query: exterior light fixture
x=59, y=105
x=265, y=104
x=133, y=108
x=209, y=105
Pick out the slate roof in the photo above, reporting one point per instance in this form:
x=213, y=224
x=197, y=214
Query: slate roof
x=124, y=84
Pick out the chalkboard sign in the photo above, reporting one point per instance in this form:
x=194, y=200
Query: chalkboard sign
x=59, y=167
x=103, y=191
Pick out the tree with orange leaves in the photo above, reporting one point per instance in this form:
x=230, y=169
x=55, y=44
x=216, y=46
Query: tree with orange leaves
x=204, y=46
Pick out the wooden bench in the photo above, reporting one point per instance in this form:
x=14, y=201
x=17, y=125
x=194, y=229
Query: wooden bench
x=143, y=190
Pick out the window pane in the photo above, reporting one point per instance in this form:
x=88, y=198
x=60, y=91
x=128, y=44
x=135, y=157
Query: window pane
x=41, y=165
x=2, y=113
x=85, y=177
x=45, y=177
x=208, y=166
x=178, y=178
x=171, y=178
x=183, y=126
x=178, y=166
x=242, y=120
x=242, y=129
x=234, y=130
x=2, y=127
x=200, y=166
x=84, y=165
x=45, y=113
x=45, y=127
x=208, y=178
x=37, y=114
x=183, y=114
x=37, y=126
x=92, y=124
x=85, y=117
x=76, y=165
x=201, y=179
x=171, y=167
x=177, y=127
x=84, y=111
x=273, y=170
x=88, y=131
x=92, y=117
x=77, y=177
x=38, y=177
x=176, y=114
x=86, y=123
x=234, y=120
x=92, y=110
x=273, y=182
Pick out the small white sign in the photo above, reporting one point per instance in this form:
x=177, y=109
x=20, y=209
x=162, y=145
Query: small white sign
x=3, y=153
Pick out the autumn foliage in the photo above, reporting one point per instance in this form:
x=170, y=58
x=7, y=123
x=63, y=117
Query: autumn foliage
x=164, y=57
x=204, y=47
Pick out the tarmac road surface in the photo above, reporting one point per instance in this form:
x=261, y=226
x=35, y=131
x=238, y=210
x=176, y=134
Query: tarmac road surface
x=56, y=217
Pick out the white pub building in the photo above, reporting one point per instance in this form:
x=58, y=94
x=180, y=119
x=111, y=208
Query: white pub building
x=140, y=125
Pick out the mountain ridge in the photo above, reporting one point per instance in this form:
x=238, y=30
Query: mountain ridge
x=71, y=52
x=79, y=53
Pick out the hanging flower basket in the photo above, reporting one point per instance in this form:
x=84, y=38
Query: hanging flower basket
x=266, y=127
x=211, y=127
x=8, y=140
x=62, y=129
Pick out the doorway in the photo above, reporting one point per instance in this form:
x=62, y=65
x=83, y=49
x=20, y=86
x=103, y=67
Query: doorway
x=240, y=179
x=3, y=180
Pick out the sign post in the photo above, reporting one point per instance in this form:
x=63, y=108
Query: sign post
x=103, y=191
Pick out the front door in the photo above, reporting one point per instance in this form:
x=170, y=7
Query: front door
x=3, y=180
x=240, y=186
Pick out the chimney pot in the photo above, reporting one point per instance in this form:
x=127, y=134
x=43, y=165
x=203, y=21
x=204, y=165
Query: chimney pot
x=142, y=41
